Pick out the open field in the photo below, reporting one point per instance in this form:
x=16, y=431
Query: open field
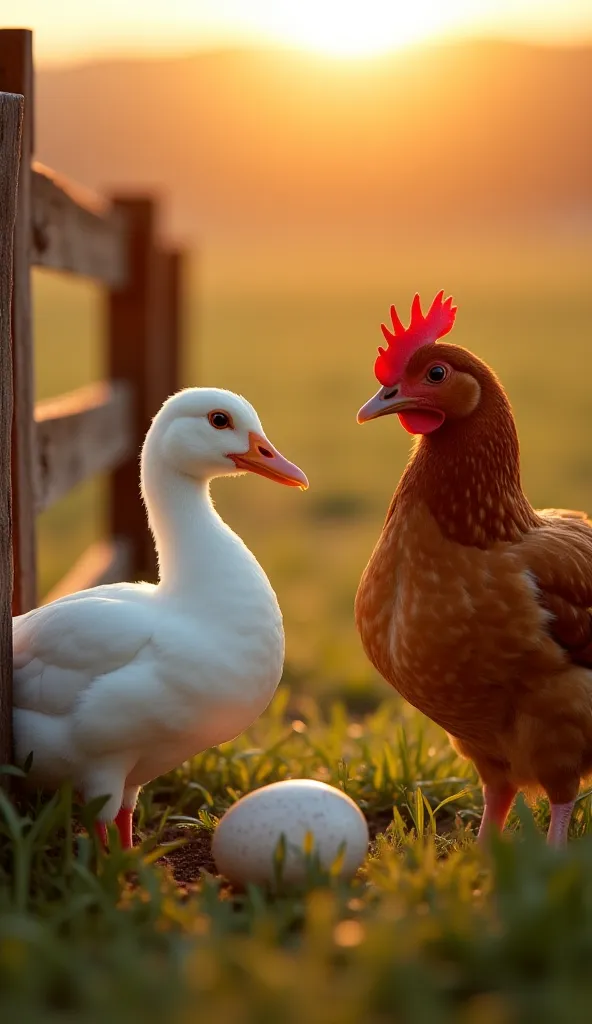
x=303, y=354
x=432, y=930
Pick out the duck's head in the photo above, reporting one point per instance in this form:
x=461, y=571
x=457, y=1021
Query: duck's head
x=207, y=432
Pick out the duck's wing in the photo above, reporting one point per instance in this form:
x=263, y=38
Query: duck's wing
x=61, y=648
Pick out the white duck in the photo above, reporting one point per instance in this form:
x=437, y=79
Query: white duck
x=116, y=685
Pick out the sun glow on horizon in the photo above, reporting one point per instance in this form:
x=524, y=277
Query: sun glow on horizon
x=349, y=29
x=339, y=28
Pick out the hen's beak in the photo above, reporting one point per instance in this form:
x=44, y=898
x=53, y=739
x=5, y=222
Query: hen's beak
x=264, y=459
x=384, y=402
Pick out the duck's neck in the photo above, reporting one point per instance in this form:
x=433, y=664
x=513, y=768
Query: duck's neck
x=190, y=537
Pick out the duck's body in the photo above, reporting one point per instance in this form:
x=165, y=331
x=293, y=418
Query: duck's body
x=143, y=676
x=117, y=685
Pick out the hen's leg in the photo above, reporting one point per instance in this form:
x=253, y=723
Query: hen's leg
x=562, y=788
x=497, y=798
x=125, y=816
x=559, y=827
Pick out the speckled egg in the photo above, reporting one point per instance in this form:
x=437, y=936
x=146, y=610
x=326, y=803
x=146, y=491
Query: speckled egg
x=308, y=814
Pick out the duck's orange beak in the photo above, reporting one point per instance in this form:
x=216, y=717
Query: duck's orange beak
x=264, y=459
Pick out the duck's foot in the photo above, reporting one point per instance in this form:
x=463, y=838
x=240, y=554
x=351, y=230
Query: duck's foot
x=101, y=831
x=559, y=827
x=124, y=824
x=497, y=802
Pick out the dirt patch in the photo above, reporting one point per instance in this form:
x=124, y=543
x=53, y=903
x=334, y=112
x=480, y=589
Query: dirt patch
x=378, y=822
x=187, y=862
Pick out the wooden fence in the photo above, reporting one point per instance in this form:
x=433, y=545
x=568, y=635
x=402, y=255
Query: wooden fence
x=47, y=449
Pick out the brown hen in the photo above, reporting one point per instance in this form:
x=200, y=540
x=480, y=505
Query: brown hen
x=474, y=606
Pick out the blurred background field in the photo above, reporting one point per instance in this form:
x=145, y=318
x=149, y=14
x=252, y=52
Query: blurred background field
x=304, y=357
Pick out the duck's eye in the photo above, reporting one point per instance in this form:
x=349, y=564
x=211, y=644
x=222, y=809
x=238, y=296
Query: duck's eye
x=220, y=420
x=436, y=374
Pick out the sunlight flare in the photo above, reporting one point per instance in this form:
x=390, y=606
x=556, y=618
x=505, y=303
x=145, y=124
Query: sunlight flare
x=357, y=29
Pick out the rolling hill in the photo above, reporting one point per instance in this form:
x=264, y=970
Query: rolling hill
x=277, y=148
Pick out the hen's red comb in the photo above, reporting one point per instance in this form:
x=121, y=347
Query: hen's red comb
x=404, y=341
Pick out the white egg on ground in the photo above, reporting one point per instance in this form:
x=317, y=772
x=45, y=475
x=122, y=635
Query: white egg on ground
x=305, y=813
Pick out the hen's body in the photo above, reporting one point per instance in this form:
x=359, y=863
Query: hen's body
x=476, y=608
x=466, y=641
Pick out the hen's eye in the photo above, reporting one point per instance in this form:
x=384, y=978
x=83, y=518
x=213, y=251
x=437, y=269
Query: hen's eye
x=436, y=374
x=220, y=420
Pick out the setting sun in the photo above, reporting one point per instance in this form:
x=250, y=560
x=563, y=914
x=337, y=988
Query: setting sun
x=360, y=29
x=334, y=28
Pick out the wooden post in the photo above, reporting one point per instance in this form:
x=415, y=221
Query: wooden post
x=16, y=76
x=175, y=290
x=170, y=290
x=133, y=357
x=11, y=118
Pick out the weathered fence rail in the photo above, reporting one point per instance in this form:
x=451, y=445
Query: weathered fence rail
x=74, y=230
x=11, y=117
x=48, y=448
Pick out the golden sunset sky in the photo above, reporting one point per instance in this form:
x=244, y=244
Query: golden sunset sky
x=72, y=30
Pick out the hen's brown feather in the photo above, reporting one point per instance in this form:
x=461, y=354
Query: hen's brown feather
x=476, y=607
x=559, y=556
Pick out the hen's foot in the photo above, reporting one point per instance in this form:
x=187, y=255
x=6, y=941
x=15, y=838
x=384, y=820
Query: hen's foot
x=559, y=827
x=497, y=801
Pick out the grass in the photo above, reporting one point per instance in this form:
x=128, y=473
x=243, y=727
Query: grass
x=432, y=929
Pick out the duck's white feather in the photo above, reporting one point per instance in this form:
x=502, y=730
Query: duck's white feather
x=124, y=675
x=116, y=685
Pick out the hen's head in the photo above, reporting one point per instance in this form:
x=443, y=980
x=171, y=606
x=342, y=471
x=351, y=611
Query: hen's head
x=424, y=381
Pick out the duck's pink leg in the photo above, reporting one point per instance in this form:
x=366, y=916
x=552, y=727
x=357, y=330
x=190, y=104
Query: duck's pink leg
x=124, y=824
x=100, y=827
x=104, y=781
x=124, y=817
x=101, y=830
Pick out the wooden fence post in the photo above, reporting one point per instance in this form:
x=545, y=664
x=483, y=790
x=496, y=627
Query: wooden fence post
x=16, y=76
x=175, y=270
x=170, y=291
x=11, y=118
x=133, y=357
